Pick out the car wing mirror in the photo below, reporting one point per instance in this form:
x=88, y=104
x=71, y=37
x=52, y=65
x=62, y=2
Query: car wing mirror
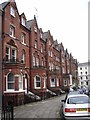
x=62, y=100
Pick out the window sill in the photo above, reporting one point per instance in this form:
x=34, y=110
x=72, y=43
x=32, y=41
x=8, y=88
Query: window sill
x=13, y=15
x=23, y=43
x=12, y=37
x=37, y=87
x=12, y=91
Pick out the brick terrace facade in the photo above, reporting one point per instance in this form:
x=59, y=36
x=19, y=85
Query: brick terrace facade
x=31, y=59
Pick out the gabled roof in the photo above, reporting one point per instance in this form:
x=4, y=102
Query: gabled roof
x=4, y=4
x=23, y=15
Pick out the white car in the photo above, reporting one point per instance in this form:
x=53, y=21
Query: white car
x=76, y=106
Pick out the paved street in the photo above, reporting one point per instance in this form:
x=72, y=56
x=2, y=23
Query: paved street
x=44, y=109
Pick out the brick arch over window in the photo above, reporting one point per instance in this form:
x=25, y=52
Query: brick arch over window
x=12, y=43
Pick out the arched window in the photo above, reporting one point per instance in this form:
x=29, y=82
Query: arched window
x=37, y=82
x=10, y=81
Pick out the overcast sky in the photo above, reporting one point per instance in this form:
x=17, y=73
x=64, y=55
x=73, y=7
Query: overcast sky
x=66, y=19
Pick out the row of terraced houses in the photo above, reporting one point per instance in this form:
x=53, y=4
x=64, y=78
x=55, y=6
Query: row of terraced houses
x=32, y=61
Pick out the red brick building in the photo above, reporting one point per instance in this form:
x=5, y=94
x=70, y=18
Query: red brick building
x=32, y=61
x=15, y=52
x=37, y=59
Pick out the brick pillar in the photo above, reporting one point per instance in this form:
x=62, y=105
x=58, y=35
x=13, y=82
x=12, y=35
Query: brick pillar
x=16, y=82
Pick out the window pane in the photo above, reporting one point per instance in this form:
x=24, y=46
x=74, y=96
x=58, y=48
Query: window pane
x=10, y=81
x=38, y=82
x=12, y=29
x=12, y=11
x=10, y=86
x=21, y=82
x=7, y=53
x=23, y=21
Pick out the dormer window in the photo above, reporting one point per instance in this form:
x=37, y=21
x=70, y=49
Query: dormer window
x=23, y=21
x=35, y=44
x=41, y=48
x=49, y=42
x=12, y=11
x=40, y=35
x=35, y=29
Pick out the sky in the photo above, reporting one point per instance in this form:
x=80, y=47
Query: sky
x=67, y=21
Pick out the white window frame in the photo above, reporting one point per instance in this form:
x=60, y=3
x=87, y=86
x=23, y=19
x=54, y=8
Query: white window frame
x=33, y=61
x=12, y=31
x=20, y=82
x=23, y=57
x=37, y=61
x=14, y=56
x=35, y=44
x=41, y=48
x=13, y=82
x=41, y=35
x=23, y=38
x=35, y=29
x=35, y=84
x=52, y=84
x=44, y=86
x=23, y=21
x=48, y=53
x=51, y=54
x=57, y=82
x=65, y=83
x=63, y=69
x=8, y=54
x=12, y=11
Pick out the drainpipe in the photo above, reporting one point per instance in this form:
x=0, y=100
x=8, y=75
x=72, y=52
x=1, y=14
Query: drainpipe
x=0, y=63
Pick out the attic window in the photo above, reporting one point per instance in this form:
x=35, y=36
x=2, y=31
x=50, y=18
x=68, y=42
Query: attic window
x=40, y=35
x=35, y=29
x=12, y=11
x=23, y=21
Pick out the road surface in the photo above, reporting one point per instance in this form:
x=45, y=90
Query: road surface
x=49, y=108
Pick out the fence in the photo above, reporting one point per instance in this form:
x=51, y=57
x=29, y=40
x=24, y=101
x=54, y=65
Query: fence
x=7, y=113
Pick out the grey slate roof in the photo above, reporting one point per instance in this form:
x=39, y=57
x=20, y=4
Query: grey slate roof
x=84, y=64
x=3, y=5
x=29, y=24
x=45, y=35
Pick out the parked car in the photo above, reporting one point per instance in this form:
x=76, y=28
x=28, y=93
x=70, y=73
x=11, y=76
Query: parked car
x=33, y=96
x=62, y=91
x=76, y=106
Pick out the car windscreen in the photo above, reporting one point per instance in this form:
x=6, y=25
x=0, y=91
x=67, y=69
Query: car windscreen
x=78, y=100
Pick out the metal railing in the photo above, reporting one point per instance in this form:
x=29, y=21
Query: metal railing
x=7, y=113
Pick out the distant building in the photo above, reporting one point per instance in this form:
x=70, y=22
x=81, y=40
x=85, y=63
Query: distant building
x=83, y=73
